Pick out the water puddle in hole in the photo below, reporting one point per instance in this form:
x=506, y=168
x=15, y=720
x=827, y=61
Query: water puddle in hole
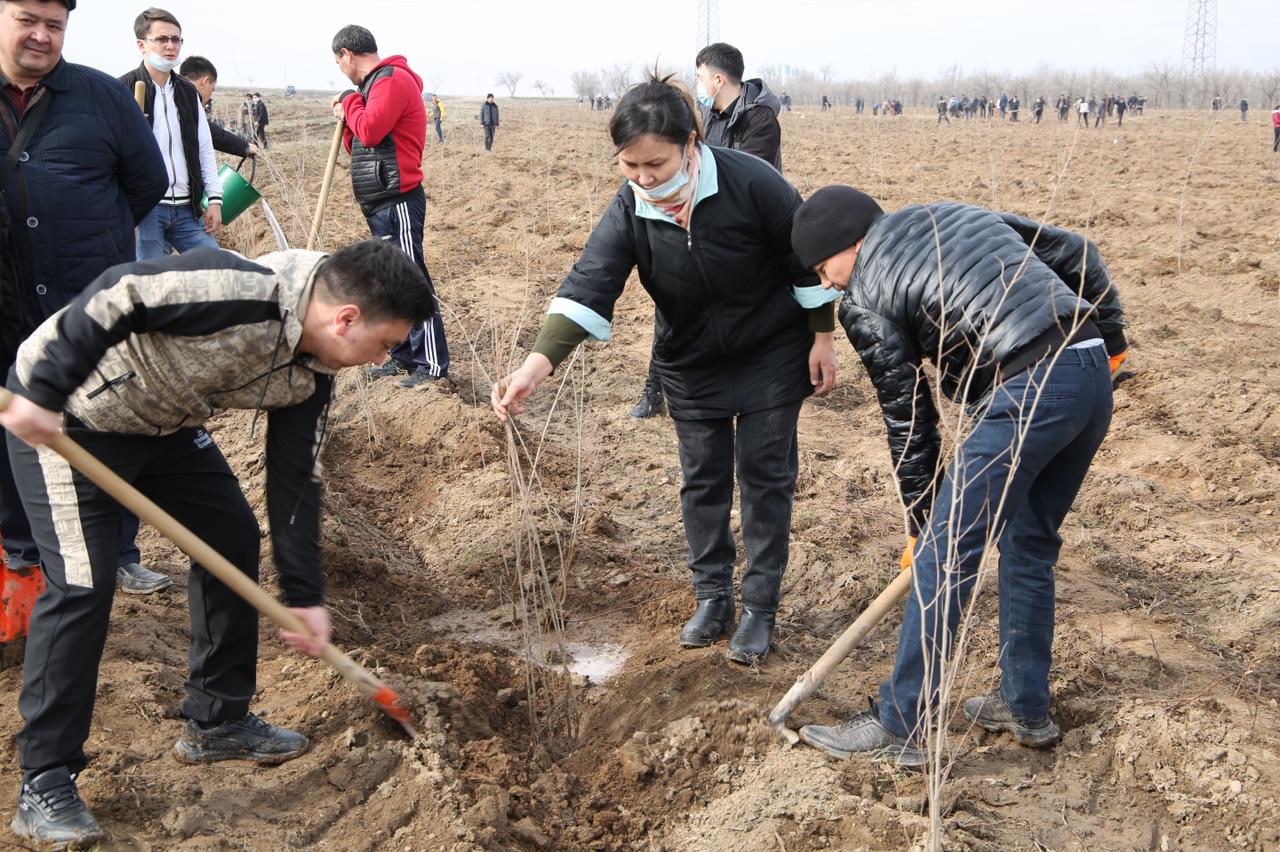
x=598, y=662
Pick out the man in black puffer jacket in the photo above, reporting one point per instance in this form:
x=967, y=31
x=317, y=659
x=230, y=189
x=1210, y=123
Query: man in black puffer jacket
x=1018, y=319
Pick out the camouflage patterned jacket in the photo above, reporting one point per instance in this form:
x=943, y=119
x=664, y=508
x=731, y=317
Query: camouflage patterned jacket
x=154, y=347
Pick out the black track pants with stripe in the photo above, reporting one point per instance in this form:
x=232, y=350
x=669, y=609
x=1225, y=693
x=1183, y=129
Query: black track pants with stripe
x=426, y=347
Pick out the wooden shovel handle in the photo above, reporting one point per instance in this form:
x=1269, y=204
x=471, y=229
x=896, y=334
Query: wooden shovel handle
x=812, y=679
x=324, y=185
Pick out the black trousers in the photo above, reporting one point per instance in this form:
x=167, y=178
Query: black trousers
x=763, y=445
x=76, y=526
x=402, y=223
x=1275, y=146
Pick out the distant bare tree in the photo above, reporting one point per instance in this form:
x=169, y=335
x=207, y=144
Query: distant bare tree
x=1160, y=78
x=510, y=79
x=1267, y=84
x=543, y=89
x=586, y=84
x=616, y=79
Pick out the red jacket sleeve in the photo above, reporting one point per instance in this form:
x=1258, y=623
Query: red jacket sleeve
x=374, y=118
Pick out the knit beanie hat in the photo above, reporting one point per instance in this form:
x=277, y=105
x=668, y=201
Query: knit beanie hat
x=834, y=218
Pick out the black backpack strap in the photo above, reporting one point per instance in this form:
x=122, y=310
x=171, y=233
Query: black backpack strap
x=27, y=129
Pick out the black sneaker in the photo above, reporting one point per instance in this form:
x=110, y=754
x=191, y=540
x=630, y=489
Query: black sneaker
x=50, y=811
x=420, y=376
x=390, y=367
x=249, y=738
x=991, y=713
x=134, y=579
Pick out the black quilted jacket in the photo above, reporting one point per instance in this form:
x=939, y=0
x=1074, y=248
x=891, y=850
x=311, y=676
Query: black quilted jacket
x=967, y=289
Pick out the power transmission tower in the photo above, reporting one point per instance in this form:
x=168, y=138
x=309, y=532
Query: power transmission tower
x=1200, y=43
x=708, y=22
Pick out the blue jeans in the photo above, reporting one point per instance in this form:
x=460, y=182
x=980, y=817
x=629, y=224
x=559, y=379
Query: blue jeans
x=488, y=136
x=1016, y=492
x=173, y=225
x=426, y=347
x=763, y=445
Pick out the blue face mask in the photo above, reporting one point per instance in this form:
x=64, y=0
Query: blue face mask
x=161, y=64
x=663, y=191
x=705, y=98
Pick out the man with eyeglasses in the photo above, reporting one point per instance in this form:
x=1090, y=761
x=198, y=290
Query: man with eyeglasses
x=172, y=105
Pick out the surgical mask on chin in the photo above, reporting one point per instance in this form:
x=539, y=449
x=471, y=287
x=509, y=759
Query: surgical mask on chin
x=161, y=64
x=705, y=98
x=663, y=191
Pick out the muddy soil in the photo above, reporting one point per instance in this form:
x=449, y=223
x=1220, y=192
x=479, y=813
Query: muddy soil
x=1169, y=586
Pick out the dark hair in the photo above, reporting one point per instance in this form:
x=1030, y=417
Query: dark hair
x=257, y=94
x=354, y=38
x=486, y=97
x=196, y=67
x=142, y=23
x=379, y=278
x=660, y=106
x=724, y=58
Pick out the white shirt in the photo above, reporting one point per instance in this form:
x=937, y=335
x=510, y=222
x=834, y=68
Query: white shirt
x=168, y=133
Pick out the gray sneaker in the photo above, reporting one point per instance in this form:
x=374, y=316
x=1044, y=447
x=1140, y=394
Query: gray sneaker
x=863, y=734
x=133, y=579
x=249, y=738
x=50, y=811
x=992, y=714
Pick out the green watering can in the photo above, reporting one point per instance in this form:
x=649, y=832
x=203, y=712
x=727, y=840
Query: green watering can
x=238, y=194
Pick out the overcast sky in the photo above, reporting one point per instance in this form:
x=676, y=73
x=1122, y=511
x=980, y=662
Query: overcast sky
x=459, y=46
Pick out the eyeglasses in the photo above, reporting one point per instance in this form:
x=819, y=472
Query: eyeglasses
x=162, y=40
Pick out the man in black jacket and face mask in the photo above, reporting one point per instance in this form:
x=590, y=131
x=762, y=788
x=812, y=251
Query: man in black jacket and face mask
x=1018, y=319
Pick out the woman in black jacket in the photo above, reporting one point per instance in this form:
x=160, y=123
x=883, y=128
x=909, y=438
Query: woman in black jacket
x=1018, y=319
x=743, y=335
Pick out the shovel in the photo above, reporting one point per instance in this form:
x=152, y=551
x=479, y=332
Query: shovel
x=217, y=565
x=811, y=680
x=324, y=185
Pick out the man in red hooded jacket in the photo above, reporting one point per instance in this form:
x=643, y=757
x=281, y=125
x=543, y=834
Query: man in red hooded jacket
x=386, y=129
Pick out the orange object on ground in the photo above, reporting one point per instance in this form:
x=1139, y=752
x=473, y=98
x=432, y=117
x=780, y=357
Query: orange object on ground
x=19, y=588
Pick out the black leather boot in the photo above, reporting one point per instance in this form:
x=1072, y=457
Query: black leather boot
x=750, y=644
x=712, y=619
x=652, y=401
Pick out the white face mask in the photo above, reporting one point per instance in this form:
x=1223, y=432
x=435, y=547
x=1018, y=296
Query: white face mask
x=664, y=191
x=158, y=62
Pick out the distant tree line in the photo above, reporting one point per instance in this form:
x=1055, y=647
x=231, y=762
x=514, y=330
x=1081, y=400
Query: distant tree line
x=1162, y=83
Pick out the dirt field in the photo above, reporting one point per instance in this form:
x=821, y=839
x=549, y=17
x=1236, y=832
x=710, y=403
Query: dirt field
x=1169, y=586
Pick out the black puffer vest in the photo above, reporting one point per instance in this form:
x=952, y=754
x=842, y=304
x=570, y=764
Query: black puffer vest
x=375, y=174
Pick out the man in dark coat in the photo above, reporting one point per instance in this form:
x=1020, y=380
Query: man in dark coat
x=490, y=118
x=87, y=176
x=261, y=118
x=1019, y=319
